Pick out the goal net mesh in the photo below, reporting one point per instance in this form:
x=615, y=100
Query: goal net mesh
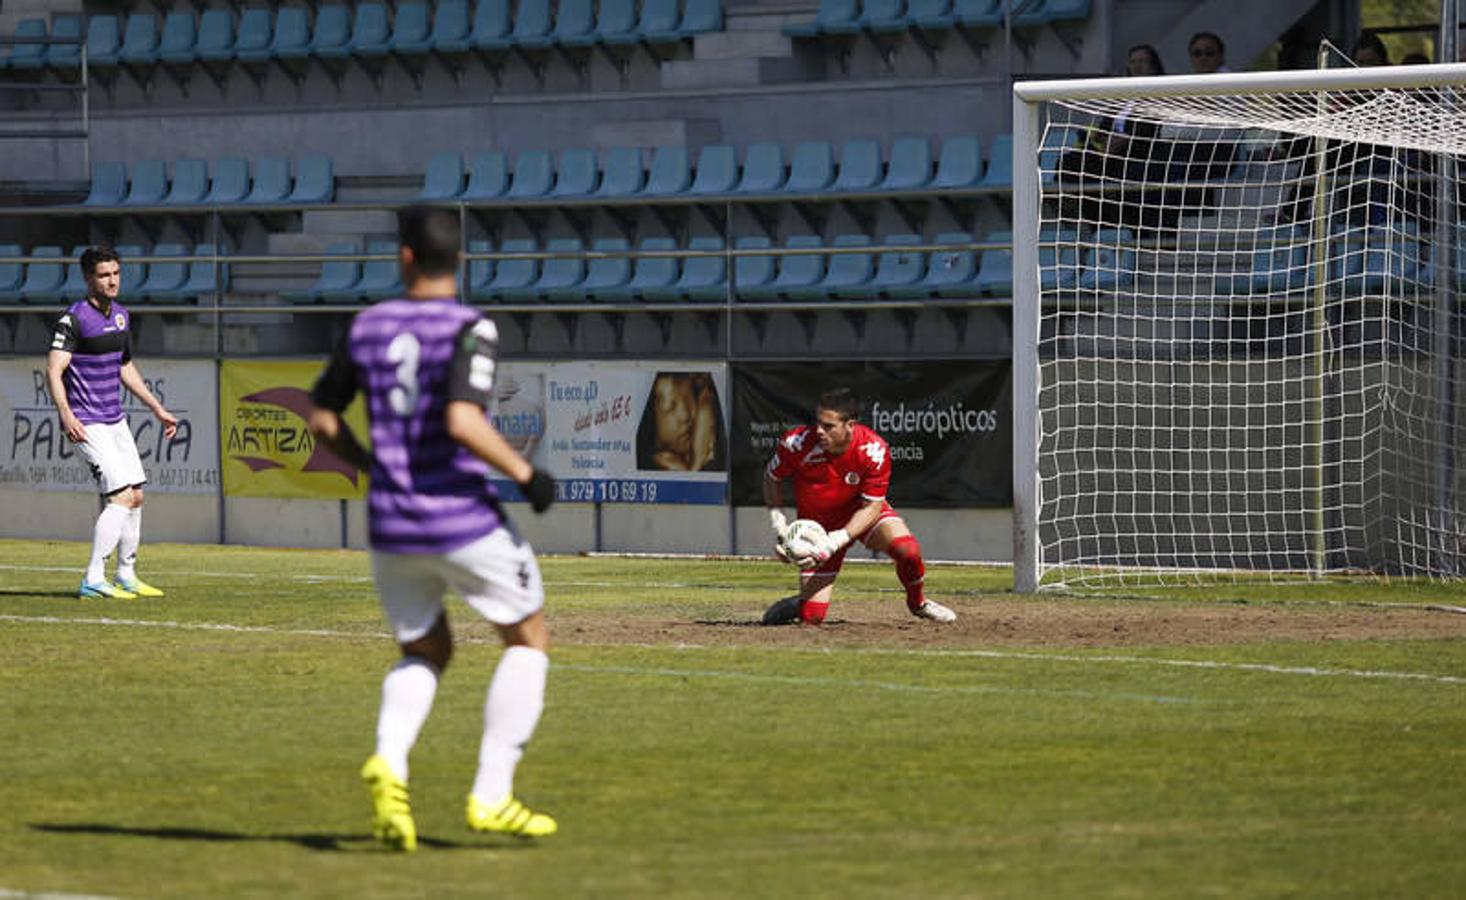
x=1250, y=337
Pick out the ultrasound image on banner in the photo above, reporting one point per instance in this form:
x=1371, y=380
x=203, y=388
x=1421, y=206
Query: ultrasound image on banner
x=949, y=424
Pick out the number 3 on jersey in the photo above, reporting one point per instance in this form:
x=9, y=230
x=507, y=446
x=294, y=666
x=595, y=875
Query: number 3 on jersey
x=405, y=351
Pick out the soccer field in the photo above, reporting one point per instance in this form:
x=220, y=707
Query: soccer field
x=1263, y=741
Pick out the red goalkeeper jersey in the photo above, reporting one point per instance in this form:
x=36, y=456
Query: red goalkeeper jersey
x=831, y=490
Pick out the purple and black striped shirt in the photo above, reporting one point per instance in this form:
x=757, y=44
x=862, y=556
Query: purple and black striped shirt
x=411, y=358
x=100, y=344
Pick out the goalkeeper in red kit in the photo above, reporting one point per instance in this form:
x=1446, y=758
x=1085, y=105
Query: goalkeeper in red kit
x=840, y=470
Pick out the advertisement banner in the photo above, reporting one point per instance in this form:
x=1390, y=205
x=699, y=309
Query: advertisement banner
x=619, y=432
x=949, y=424
x=268, y=449
x=36, y=455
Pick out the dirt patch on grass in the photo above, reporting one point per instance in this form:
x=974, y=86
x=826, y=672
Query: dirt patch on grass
x=1035, y=623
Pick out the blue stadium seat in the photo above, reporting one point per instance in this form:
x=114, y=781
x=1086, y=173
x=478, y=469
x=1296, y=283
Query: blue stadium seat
x=624, y=173
x=799, y=276
x=26, y=56
x=832, y=14
x=669, y=174
x=74, y=286
x=371, y=31
x=60, y=54
x=134, y=274
x=255, y=41
x=514, y=279
x=139, y=40
x=412, y=29
x=1109, y=263
x=884, y=16
x=43, y=280
x=575, y=23
x=533, y=175
x=704, y=279
x=1279, y=264
x=930, y=15
x=180, y=35
x=1056, y=140
x=271, y=184
x=104, y=40
x=444, y=178
x=660, y=22
x=339, y=278
x=607, y=278
x=995, y=274
x=480, y=271
x=314, y=181
x=577, y=173
x=560, y=278
x=978, y=13
x=999, y=172
x=452, y=26
x=488, y=176
x=12, y=274
x=532, y=24
x=952, y=273
x=216, y=36
x=295, y=37
x=1058, y=259
x=148, y=184
x=109, y=184
x=331, y=37
x=752, y=274
x=910, y=166
x=717, y=170
x=380, y=278
x=849, y=274
x=701, y=17
x=763, y=169
x=231, y=182
x=616, y=22
x=190, y=183
x=860, y=166
x=202, y=281
x=960, y=165
x=492, y=25
x=1045, y=12
x=652, y=275
x=164, y=279
x=899, y=273
x=812, y=168
x=1392, y=263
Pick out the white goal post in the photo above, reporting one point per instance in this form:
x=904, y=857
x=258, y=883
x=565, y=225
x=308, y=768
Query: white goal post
x=1239, y=348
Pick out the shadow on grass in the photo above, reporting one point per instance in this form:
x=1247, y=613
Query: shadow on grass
x=63, y=595
x=329, y=843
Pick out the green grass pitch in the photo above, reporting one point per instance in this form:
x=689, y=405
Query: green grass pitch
x=206, y=745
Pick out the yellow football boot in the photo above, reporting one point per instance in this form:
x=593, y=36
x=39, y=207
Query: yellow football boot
x=103, y=590
x=508, y=816
x=392, y=822
x=138, y=586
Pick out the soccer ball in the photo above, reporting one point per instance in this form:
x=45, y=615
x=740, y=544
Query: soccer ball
x=802, y=539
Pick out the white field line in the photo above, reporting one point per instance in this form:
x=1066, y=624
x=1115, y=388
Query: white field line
x=8, y=894
x=1008, y=655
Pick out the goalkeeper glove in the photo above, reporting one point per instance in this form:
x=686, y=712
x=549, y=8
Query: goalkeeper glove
x=539, y=490
x=778, y=522
x=835, y=541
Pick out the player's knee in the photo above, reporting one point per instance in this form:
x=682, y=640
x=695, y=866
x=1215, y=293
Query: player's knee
x=435, y=647
x=905, y=548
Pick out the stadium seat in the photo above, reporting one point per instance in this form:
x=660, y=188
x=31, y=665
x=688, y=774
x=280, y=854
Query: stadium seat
x=216, y=36
x=314, y=182
x=1279, y=264
x=412, y=29
x=295, y=38
x=860, y=166
x=812, y=168
x=954, y=272
x=148, y=184
x=624, y=173
x=514, y=279
x=883, y=16
x=337, y=280
x=616, y=22
x=607, y=278
x=134, y=273
x=452, y=26
x=1109, y=261
x=255, y=41
x=104, y=40
x=577, y=173
x=380, y=278
x=480, y=271
x=659, y=23
x=960, y=165
x=190, y=183
x=139, y=40
x=371, y=32
x=1056, y=140
x=331, y=37
x=444, y=178
x=532, y=24
x=26, y=56
x=752, y=274
x=995, y=271
x=43, y=279
x=999, y=173
x=12, y=274
x=533, y=175
x=652, y=275
x=109, y=184
x=64, y=53
x=560, y=278
x=575, y=23
x=202, y=281
x=830, y=15
x=763, y=169
x=910, y=166
x=271, y=184
x=978, y=13
x=492, y=25
x=796, y=273
x=899, y=273
x=74, y=285
x=849, y=275
x=669, y=174
x=179, y=37
x=701, y=17
x=488, y=176
x=1045, y=12
x=1058, y=259
x=164, y=279
x=704, y=279
x=717, y=170
x=231, y=182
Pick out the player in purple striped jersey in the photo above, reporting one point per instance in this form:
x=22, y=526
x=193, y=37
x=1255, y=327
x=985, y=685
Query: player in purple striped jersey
x=89, y=363
x=425, y=364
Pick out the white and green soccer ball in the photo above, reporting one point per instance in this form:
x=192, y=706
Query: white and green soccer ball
x=802, y=539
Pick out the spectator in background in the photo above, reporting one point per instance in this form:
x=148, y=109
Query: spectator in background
x=1208, y=53
x=1197, y=154
x=1369, y=50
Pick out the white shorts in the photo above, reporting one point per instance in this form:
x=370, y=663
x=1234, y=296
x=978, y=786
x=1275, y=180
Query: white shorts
x=496, y=575
x=112, y=455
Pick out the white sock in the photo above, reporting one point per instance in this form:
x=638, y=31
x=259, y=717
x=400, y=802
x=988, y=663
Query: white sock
x=105, y=535
x=132, y=535
x=516, y=697
x=407, y=698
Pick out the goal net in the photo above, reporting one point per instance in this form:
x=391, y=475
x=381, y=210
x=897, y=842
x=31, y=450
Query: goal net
x=1238, y=328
